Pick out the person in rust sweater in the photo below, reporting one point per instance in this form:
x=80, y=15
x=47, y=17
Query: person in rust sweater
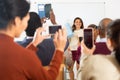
x=16, y=62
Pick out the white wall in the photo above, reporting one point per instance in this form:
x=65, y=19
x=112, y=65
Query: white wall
x=52, y=1
x=65, y=11
x=110, y=9
x=90, y=12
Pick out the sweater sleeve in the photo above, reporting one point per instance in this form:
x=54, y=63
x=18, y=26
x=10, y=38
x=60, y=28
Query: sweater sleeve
x=32, y=47
x=35, y=70
x=54, y=66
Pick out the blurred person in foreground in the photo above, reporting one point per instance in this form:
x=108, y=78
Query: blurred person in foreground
x=16, y=62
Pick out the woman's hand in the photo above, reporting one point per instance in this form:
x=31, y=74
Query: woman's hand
x=60, y=39
x=38, y=37
x=85, y=50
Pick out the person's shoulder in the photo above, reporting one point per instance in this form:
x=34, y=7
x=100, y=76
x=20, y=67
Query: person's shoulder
x=101, y=48
x=23, y=51
x=100, y=43
x=106, y=66
x=24, y=42
x=46, y=44
x=100, y=57
x=96, y=58
x=103, y=61
x=48, y=41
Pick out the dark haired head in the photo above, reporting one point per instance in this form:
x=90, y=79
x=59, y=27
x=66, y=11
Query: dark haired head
x=74, y=27
x=113, y=33
x=33, y=23
x=92, y=26
x=9, y=9
x=95, y=29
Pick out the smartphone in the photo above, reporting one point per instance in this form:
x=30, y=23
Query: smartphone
x=54, y=28
x=41, y=10
x=47, y=10
x=88, y=38
x=44, y=10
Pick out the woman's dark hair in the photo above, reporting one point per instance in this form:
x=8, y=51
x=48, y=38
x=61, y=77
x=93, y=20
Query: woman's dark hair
x=113, y=33
x=92, y=26
x=74, y=27
x=33, y=23
x=9, y=9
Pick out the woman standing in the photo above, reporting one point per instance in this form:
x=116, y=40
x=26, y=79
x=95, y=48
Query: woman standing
x=74, y=43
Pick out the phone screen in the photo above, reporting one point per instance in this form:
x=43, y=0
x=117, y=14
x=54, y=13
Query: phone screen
x=88, y=38
x=47, y=10
x=44, y=10
x=54, y=28
x=41, y=10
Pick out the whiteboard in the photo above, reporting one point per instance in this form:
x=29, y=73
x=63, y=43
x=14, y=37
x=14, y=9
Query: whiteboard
x=90, y=12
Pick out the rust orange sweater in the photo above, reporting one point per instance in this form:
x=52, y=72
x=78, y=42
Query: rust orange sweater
x=18, y=63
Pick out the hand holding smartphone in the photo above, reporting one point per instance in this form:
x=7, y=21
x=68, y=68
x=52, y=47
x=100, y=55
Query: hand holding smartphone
x=88, y=38
x=44, y=10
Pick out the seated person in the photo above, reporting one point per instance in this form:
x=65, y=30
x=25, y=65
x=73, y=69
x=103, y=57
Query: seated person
x=101, y=47
x=102, y=67
x=95, y=29
x=46, y=48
